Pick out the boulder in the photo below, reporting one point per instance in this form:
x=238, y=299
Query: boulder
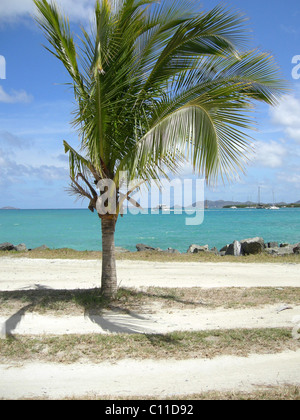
x=280, y=251
x=194, y=249
x=224, y=249
x=234, y=249
x=21, y=248
x=143, y=248
x=7, y=246
x=252, y=246
x=296, y=249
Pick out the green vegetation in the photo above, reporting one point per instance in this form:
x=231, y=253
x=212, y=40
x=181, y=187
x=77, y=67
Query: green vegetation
x=177, y=345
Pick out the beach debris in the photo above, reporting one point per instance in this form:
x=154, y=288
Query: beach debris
x=283, y=307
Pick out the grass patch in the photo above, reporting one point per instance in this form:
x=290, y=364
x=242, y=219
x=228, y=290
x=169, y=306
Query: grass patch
x=76, y=302
x=261, y=393
x=66, y=253
x=176, y=345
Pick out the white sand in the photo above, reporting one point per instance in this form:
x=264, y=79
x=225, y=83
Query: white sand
x=162, y=322
x=72, y=274
x=148, y=377
x=155, y=378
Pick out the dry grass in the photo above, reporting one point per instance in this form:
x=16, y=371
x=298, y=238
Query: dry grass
x=262, y=393
x=177, y=345
x=66, y=253
x=149, y=300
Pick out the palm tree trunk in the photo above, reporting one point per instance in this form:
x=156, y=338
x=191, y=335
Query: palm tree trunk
x=109, y=272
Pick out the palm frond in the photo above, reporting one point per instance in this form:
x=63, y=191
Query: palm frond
x=156, y=84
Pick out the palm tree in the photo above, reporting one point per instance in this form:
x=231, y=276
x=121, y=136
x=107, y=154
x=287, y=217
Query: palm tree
x=156, y=83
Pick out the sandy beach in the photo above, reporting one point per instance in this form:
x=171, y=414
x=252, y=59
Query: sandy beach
x=83, y=274
x=147, y=377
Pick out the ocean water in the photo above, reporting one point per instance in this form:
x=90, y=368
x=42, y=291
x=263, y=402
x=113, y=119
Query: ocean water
x=81, y=230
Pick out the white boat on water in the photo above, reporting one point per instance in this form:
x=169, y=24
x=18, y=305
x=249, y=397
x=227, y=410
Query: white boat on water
x=274, y=207
x=163, y=207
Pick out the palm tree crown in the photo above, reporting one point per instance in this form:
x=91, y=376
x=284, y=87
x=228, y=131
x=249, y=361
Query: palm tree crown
x=157, y=83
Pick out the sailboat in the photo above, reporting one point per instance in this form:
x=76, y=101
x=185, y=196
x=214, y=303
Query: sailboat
x=273, y=207
x=259, y=205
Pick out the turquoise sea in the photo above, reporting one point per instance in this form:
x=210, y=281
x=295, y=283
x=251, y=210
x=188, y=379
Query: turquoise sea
x=81, y=230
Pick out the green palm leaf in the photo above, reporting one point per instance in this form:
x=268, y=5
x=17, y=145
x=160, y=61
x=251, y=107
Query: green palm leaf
x=157, y=84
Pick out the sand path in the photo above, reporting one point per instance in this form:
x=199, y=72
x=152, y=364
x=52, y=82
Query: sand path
x=142, y=378
x=162, y=322
x=72, y=274
x=148, y=377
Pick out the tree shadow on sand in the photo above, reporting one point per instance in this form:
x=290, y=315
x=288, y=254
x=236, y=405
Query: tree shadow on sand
x=111, y=316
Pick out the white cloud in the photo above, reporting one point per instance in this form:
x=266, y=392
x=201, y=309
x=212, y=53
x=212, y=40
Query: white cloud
x=12, y=172
x=270, y=155
x=14, y=97
x=13, y=10
x=292, y=178
x=287, y=115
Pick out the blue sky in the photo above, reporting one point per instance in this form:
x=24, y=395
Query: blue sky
x=36, y=106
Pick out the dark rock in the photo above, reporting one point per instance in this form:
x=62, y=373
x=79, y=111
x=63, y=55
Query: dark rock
x=252, y=246
x=143, y=248
x=7, y=246
x=234, y=249
x=296, y=249
x=224, y=249
x=194, y=249
x=284, y=245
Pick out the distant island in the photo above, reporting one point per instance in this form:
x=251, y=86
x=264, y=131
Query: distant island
x=9, y=208
x=262, y=205
x=221, y=204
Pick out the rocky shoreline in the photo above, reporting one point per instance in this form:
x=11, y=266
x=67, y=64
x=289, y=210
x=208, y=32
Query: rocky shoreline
x=251, y=246
x=244, y=247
